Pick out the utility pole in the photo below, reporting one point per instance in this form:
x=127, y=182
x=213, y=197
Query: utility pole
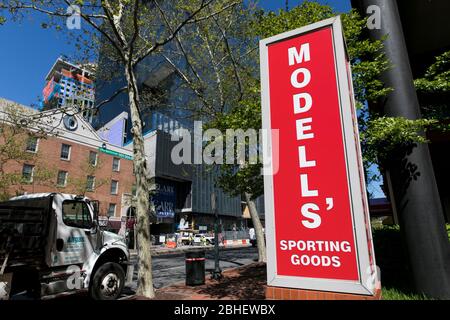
x=217, y=273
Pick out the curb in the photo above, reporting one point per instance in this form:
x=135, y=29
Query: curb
x=160, y=252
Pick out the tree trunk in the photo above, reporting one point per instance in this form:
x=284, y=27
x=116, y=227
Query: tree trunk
x=145, y=277
x=258, y=228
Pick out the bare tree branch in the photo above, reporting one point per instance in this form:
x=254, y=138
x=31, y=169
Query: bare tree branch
x=135, y=26
x=214, y=13
x=180, y=44
x=144, y=53
x=186, y=79
x=103, y=32
x=19, y=6
x=111, y=98
x=233, y=61
x=214, y=65
x=114, y=21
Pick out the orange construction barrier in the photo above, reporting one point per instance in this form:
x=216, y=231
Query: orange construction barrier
x=171, y=244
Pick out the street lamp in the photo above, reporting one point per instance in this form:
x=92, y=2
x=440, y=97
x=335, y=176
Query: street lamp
x=217, y=273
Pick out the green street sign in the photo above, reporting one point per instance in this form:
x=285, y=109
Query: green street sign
x=115, y=154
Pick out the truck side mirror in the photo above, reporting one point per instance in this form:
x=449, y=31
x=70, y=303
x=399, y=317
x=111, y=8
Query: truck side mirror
x=95, y=206
x=94, y=227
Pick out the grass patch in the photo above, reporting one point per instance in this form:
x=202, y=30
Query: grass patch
x=391, y=258
x=394, y=294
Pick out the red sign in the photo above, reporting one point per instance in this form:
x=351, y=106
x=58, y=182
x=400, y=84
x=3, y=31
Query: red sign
x=315, y=210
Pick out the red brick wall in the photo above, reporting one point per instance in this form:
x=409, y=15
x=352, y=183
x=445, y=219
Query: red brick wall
x=278, y=293
x=49, y=151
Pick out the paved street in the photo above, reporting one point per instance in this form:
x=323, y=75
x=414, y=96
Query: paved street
x=169, y=269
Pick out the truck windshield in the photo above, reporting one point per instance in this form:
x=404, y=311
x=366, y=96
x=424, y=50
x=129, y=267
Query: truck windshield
x=76, y=214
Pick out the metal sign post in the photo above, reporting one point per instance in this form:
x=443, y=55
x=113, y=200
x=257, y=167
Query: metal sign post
x=217, y=273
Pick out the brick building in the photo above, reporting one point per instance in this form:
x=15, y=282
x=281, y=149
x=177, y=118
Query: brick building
x=77, y=161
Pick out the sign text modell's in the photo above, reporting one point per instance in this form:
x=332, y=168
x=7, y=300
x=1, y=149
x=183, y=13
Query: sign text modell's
x=317, y=223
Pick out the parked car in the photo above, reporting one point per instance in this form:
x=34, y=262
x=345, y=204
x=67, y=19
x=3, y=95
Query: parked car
x=51, y=244
x=207, y=238
x=186, y=237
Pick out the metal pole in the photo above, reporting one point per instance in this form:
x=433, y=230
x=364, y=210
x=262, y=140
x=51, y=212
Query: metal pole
x=217, y=273
x=413, y=180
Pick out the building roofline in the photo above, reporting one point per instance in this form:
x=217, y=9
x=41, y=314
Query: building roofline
x=4, y=102
x=146, y=134
x=63, y=61
x=120, y=116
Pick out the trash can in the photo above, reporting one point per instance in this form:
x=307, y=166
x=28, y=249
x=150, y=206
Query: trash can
x=195, y=268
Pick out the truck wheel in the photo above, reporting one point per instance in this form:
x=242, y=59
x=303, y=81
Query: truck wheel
x=108, y=282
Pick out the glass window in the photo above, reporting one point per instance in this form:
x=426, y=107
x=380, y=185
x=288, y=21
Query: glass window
x=65, y=152
x=90, y=183
x=116, y=164
x=27, y=172
x=112, y=210
x=62, y=178
x=32, y=144
x=76, y=214
x=92, y=158
x=114, y=186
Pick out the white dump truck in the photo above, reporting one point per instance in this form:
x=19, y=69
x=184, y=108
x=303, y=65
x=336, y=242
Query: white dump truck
x=51, y=244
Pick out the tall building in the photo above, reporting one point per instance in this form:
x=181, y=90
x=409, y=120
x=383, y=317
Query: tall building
x=163, y=110
x=70, y=85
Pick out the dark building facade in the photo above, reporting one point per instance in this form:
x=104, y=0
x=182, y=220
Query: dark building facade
x=163, y=111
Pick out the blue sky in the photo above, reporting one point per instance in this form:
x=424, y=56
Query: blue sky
x=338, y=5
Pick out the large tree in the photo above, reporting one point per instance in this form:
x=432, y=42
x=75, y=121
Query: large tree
x=133, y=30
x=216, y=59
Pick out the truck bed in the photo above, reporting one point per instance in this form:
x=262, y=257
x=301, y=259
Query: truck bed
x=24, y=227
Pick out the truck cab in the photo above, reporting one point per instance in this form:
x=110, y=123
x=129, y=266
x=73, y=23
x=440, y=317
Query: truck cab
x=51, y=244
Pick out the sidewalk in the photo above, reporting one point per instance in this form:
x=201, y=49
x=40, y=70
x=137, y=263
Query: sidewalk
x=242, y=283
x=161, y=250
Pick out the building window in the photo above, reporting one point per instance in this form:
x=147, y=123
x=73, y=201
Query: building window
x=112, y=210
x=27, y=173
x=65, y=151
x=92, y=158
x=32, y=144
x=90, y=183
x=114, y=187
x=62, y=179
x=116, y=164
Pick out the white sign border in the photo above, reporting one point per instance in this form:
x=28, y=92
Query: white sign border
x=353, y=173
